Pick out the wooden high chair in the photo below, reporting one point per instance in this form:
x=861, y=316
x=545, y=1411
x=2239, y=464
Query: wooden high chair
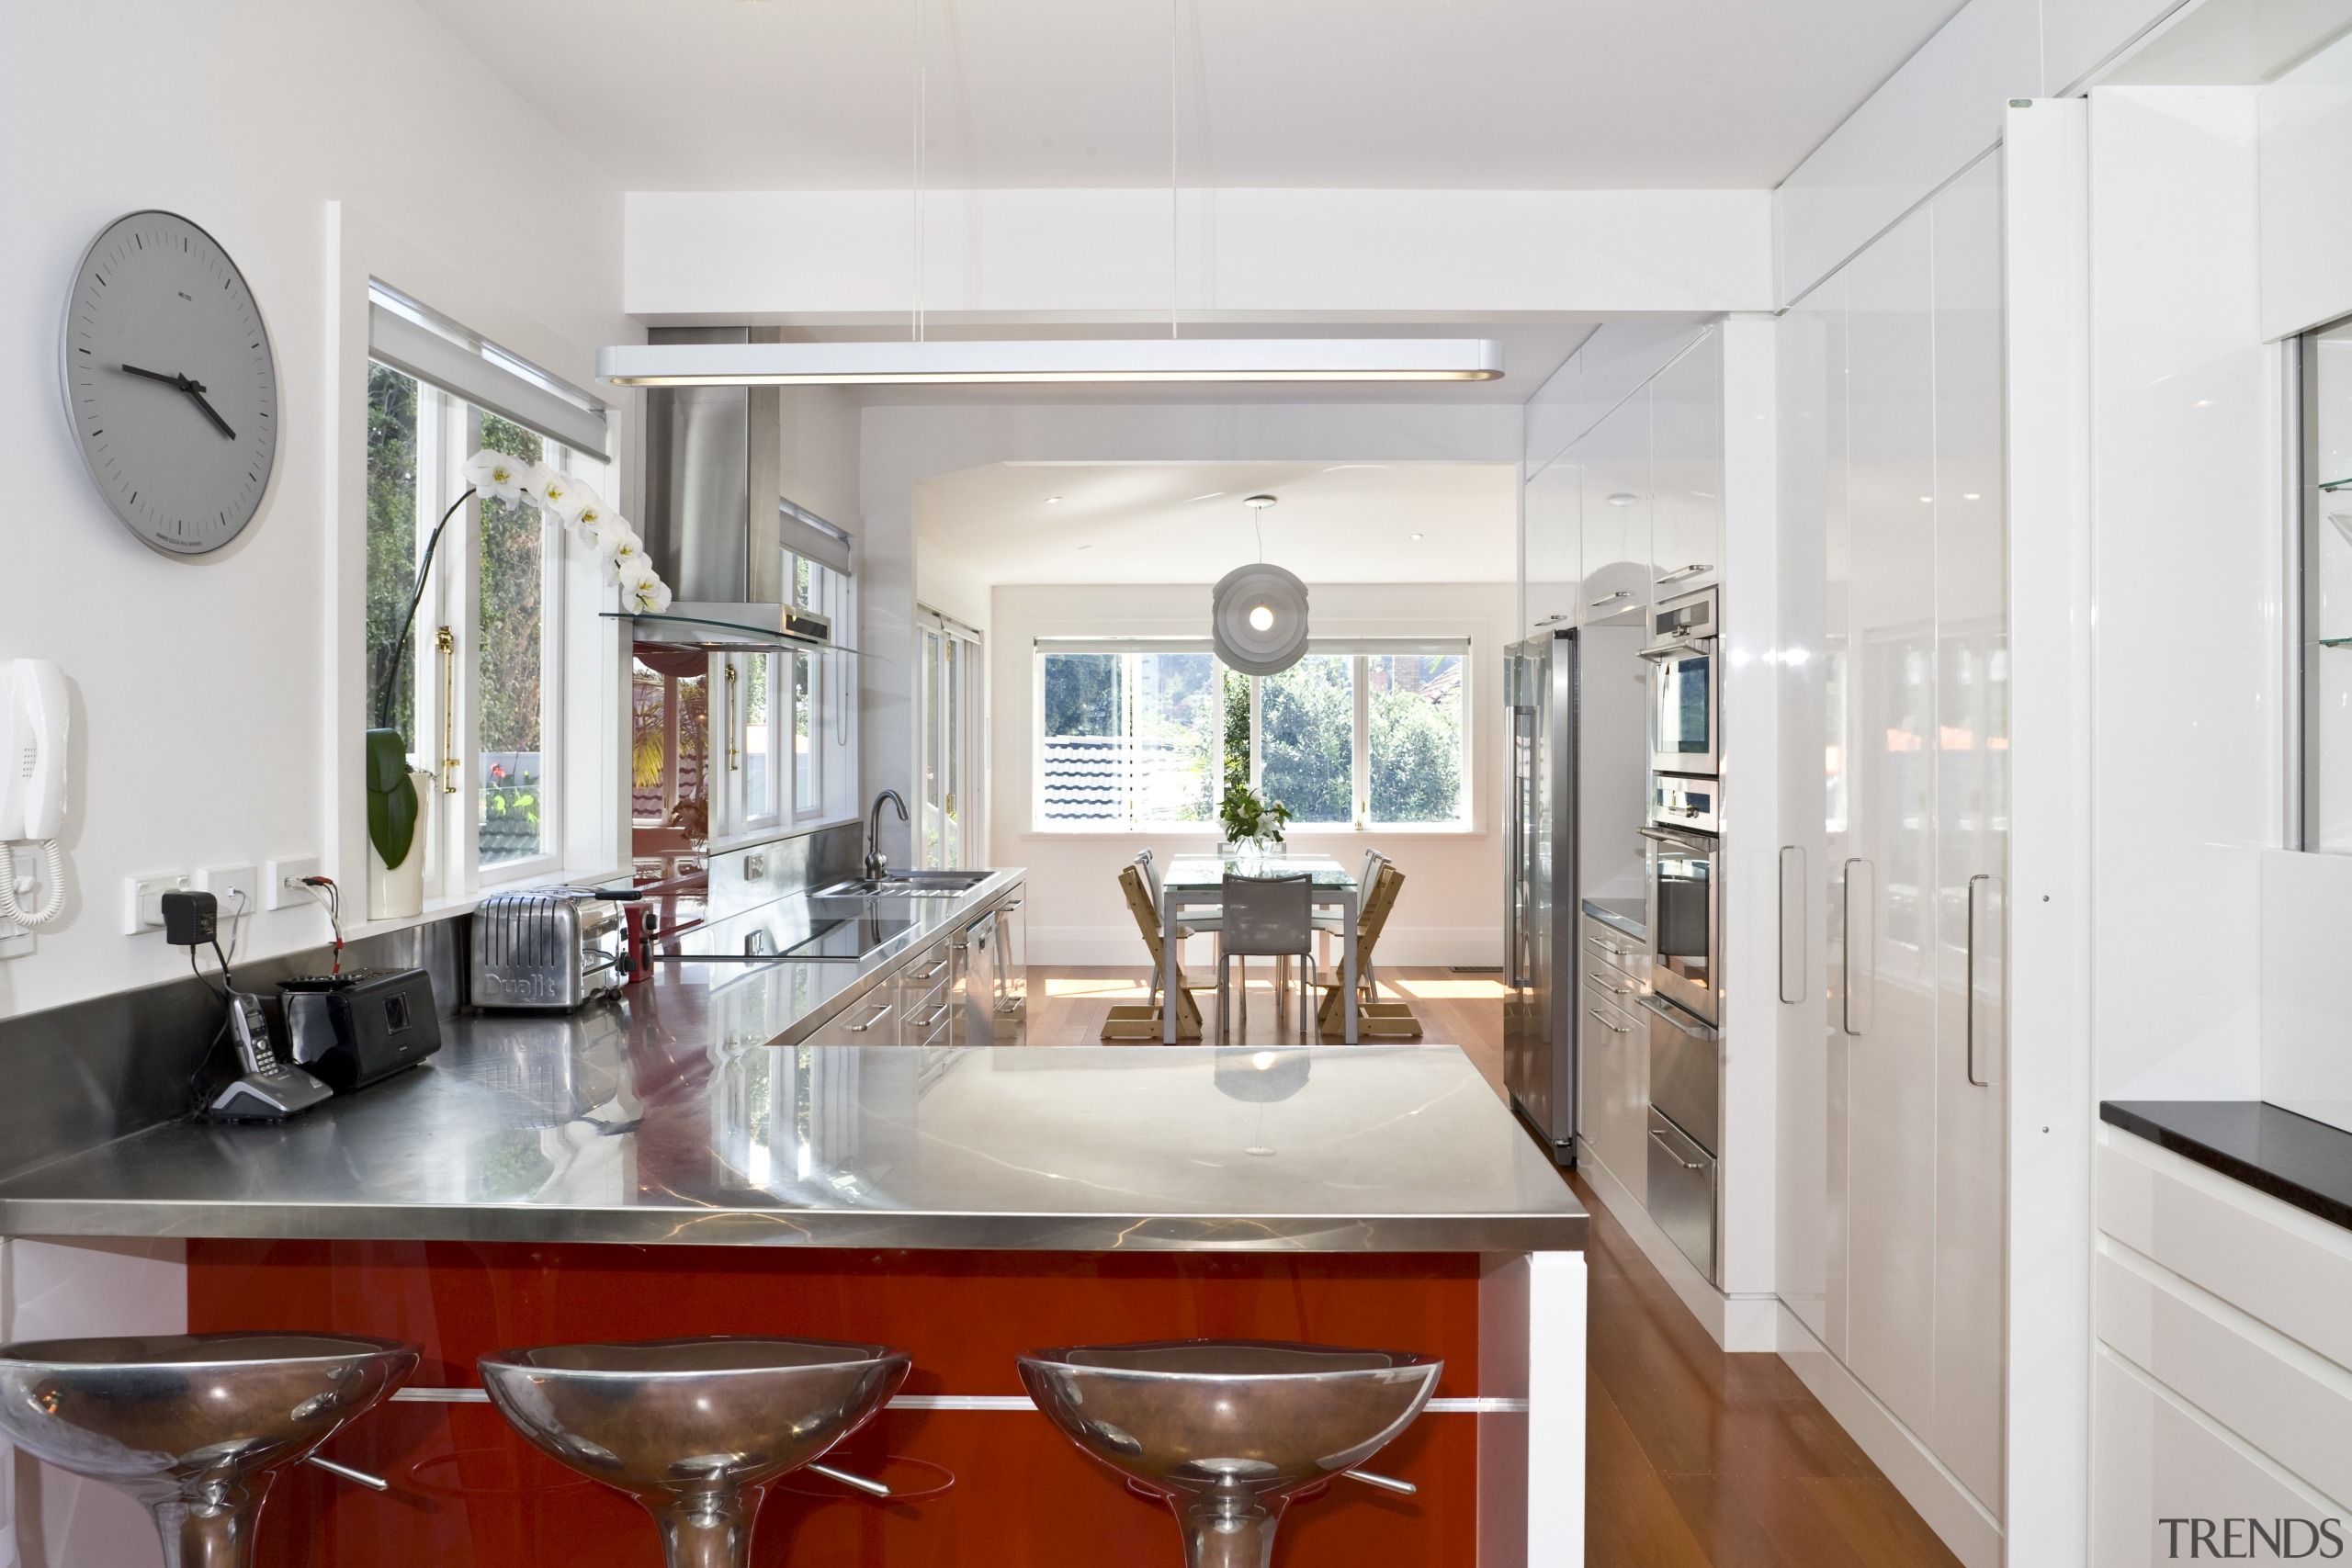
x=1375, y=1019
x=1130, y=1022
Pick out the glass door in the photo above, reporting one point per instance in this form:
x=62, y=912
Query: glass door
x=949, y=743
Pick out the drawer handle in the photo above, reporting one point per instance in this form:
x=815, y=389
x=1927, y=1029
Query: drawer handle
x=880, y=1014
x=934, y=970
x=1659, y=1139
x=1596, y=975
x=1612, y=598
x=1603, y=1017
x=937, y=1013
x=1680, y=572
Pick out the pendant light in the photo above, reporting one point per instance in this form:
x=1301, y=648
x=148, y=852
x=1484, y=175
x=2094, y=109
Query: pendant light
x=1258, y=612
x=1030, y=361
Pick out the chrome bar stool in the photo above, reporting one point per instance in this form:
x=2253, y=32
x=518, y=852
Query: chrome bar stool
x=696, y=1429
x=1228, y=1431
x=194, y=1425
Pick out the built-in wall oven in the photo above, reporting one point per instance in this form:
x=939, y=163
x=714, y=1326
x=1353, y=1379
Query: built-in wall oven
x=1684, y=895
x=1686, y=684
x=1685, y=1006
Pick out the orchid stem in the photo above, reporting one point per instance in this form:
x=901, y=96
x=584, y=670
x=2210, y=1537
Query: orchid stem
x=399, y=648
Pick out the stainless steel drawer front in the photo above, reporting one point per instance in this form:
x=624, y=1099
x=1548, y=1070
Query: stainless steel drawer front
x=1682, y=1197
x=1686, y=1072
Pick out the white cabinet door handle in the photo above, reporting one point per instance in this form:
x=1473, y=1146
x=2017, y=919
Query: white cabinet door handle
x=1859, y=948
x=1984, y=951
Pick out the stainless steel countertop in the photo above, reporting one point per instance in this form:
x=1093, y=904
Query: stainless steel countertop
x=1627, y=915
x=665, y=1118
x=784, y=1003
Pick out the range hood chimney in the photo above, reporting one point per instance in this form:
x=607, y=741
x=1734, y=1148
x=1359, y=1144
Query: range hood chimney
x=714, y=511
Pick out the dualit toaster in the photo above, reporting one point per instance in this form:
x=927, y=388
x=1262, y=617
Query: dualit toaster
x=549, y=949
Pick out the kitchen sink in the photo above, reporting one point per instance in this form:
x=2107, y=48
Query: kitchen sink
x=908, y=885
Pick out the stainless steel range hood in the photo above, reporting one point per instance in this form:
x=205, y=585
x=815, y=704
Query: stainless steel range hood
x=716, y=520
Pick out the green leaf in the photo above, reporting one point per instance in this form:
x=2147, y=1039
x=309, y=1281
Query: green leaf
x=392, y=796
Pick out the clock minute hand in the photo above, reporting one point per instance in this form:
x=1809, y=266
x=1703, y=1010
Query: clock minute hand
x=193, y=389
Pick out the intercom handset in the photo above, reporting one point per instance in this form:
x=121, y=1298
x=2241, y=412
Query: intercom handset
x=33, y=723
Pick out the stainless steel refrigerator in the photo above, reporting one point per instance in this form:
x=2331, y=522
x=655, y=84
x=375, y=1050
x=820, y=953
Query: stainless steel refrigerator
x=1539, y=1016
x=1578, y=799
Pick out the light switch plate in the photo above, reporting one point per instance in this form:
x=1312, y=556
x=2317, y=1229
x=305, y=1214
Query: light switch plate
x=283, y=878
x=143, y=901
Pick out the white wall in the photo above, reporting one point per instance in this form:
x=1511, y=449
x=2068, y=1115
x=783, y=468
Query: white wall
x=1452, y=908
x=819, y=255
x=2187, y=688
x=202, y=690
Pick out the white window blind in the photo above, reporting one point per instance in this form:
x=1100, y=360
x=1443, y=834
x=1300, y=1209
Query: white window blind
x=433, y=357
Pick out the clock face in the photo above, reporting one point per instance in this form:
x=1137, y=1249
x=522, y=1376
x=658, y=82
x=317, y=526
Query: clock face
x=169, y=383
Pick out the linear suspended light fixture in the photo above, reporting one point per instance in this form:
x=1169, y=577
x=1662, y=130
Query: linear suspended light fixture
x=933, y=363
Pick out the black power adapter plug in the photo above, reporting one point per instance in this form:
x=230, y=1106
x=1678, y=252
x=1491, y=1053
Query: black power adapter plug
x=190, y=920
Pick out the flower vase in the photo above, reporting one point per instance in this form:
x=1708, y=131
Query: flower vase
x=397, y=892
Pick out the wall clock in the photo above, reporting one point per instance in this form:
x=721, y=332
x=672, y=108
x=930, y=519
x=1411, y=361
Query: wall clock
x=169, y=382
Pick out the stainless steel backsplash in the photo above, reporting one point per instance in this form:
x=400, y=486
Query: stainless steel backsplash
x=92, y=1071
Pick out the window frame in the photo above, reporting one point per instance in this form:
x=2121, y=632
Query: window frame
x=1362, y=651
x=446, y=692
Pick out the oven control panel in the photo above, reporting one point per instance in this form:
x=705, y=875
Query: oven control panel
x=1695, y=804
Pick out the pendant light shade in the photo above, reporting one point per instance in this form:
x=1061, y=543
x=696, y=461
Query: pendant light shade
x=1258, y=619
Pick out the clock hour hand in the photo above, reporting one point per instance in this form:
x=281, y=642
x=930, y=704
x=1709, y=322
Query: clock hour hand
x=194, y=388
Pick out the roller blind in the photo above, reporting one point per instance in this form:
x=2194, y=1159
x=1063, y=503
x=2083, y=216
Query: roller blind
x=419, y=351
x=805, y=534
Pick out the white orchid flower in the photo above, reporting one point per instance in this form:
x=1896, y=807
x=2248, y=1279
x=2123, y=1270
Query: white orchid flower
x=497, y=475
x=618, y=542
x=642, y=590
x=545, y=489
x=583, y=509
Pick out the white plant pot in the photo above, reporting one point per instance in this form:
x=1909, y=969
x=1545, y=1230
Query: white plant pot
x=397, y=892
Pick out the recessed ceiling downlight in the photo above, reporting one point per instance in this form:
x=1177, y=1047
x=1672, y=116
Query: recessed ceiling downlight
x=1258, y=619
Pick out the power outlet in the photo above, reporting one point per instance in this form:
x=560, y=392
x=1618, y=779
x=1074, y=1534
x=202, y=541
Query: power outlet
x=142, y=902
x=237, y=889
x=283, y=881
x=755, y=868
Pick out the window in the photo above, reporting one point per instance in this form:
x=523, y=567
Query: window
x=949, y=744
x=787, y=732
x=476, y=685
x=1134, y=733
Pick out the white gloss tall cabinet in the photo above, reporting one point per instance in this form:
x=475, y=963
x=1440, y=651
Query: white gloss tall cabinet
x=1893, y=1153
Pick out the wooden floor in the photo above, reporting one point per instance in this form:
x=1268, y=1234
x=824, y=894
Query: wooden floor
x=1695, y=1458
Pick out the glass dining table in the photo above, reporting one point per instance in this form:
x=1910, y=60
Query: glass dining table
x=1193, y=879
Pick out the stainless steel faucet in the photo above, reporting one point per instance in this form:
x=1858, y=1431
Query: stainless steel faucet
x=878, y=864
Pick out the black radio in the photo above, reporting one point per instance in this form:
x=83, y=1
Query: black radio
x=353, y=1029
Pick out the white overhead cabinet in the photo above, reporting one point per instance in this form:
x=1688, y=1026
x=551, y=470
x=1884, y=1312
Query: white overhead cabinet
x=1893, y=1158
x=1551, y=530
x=1687, y=468
x=1616, y=458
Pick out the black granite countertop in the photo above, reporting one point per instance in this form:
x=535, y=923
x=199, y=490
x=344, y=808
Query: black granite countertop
x=2294, y=1159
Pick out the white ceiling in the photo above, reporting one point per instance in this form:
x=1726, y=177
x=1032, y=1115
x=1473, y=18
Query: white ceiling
x=1510, y=94
x=1186, y=523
